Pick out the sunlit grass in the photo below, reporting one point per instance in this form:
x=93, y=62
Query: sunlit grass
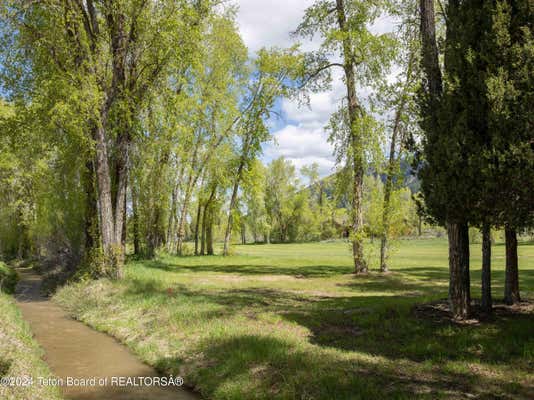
x=293, y=322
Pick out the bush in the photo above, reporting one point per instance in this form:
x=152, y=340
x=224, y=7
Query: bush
x=8, y=279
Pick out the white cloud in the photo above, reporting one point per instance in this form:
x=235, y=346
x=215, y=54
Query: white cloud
x=303, y=145
x=303, y=139
x=269, y=23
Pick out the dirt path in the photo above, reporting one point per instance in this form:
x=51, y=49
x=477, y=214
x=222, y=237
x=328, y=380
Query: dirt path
x=75, y=350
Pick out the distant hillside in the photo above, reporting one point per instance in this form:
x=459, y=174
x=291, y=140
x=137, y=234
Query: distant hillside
x=328, y=184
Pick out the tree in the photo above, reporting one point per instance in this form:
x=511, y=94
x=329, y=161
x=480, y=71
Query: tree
x=365, y=57
x=274, y=71
x=399, y=98
x=436, y=176
x=216, y=87
x=254, y=198
x=509, y=79
x=279, y=194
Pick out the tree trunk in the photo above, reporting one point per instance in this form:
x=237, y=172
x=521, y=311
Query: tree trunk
x=459, y=281
x=203, y=235
x=91, y=209
x=209, y=236
x=233, y=202
x=183, y=215
x=386, y=209
x=197, y=225
x=356, y=143
x=430, y=55
x=110, y=246
x=135, y=217
x=486, y=301
x=206, y=221
x=172, y=219
x=511, y=284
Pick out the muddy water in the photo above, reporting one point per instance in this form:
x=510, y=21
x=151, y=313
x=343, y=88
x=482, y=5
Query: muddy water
x=75, y=350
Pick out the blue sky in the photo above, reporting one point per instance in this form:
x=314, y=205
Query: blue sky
x=299, y=135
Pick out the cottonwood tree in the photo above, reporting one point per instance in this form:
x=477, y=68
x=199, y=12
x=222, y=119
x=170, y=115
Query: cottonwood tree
x=280, y=189
x=108, y=55
x=364, y=57
x=272, y=77
x=217, y=84
x=254, y=200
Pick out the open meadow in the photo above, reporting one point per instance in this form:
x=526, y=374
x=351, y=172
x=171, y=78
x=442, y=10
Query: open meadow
x=291, y=321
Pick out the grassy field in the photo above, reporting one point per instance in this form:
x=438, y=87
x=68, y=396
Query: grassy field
x=20, y=357
x=292, y=322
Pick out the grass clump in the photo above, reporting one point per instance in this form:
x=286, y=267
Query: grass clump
x=292, y=322
x=20, y=357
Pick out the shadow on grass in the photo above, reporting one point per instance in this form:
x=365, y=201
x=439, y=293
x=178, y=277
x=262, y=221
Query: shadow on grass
x=273, y=368
x=379, y=325
x=211, y=265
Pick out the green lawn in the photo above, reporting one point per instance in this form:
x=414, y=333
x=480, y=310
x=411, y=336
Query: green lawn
x=292, y=322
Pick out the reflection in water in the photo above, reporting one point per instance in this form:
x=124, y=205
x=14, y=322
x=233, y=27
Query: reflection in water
x=75, y=350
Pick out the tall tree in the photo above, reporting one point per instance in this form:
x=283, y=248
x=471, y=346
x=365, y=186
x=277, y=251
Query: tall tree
x=444, y=164
x=365, y=56
x=272, y=76
x=398, y=98
x=510, y=82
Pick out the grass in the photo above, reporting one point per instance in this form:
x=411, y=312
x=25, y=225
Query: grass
x=292, y=322
x=20, y=357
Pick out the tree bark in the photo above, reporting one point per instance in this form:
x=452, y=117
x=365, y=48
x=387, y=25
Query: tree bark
x=203, y=235
x=486, y=300
x=135, y=218
x=511, y=284
x=110, y=246
x=183, y=215
x=91, y=209
x=430, y=58
x=197, y=225
x=209, y=235
x=459, y=280
x=208, y=222
x=171, y=228
x=233, y=202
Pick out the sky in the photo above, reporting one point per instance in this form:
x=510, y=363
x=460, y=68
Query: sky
x=299, y=135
